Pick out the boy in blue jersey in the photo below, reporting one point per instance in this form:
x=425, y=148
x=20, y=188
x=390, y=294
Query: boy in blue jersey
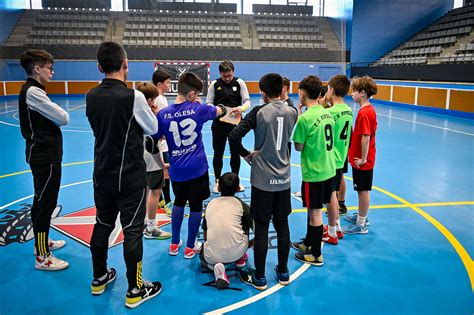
x=181, y=123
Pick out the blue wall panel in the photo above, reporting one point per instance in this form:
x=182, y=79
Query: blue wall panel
x=378, y=26
x=142, y=70
x=8, y=19
x=340, y=11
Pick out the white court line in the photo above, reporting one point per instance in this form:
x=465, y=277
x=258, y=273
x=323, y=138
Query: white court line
x=30, y=196
x=428, y=125
x=259, y=296
x=9, y=111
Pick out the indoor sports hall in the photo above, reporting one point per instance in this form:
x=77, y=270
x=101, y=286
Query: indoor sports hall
x=417, y=257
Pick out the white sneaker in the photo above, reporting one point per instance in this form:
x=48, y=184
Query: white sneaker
x=50, y=263
x=215, y=189
x=221, y=278
x=52, y=245
x=241, y=188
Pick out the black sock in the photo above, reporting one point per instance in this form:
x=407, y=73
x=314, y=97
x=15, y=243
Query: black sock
x=307, y=241
x=316, y=233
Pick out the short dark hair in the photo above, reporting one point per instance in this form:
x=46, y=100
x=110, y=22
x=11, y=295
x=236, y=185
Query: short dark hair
x=160, y=76
x=271, y=84
x=311, y=85
x=110, y=56
x=189, y=82
x=366, y=84
x=324, y=90
x=341, y=84
x=286, y=82
x=229, y=184
x=35, y=57
x=226, y=66
x=148, y=89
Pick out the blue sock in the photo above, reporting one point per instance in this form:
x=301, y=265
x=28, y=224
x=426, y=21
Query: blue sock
x=177, y=215
x=193, y=226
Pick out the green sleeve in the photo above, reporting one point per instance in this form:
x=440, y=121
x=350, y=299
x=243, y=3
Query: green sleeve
x=300, y=132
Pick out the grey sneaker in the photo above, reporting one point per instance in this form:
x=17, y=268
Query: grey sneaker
x=156, y=234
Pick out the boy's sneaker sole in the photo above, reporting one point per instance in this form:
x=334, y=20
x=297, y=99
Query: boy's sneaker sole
x=314, y=263
x=221, y=284
x=261, y=288
x=133, y=305
x=97, y=290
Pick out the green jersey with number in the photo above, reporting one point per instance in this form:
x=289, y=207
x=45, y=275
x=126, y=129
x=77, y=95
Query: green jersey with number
x=314, y=129
x=342, y=115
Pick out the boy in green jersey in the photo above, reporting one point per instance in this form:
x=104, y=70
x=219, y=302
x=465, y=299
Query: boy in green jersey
x=313, y=137
x=338, y=87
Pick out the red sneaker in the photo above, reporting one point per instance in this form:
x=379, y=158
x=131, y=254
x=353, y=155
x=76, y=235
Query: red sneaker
x=340, y=234
x=242, y=261
x=191, y=252
x=174, y=248
x=329, y=239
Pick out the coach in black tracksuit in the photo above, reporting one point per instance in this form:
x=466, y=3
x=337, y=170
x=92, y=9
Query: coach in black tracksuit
x=231, y=92
x=40, y=120
x=119, y=117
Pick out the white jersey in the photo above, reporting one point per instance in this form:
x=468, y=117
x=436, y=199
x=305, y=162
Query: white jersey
x=154, y=162
x=161, y=102
x=226, y=241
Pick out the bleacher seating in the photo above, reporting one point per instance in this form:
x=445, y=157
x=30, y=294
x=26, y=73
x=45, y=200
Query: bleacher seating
x=280, y=31
x=69, y=27
x=178, y=29
x=465, y=53
x=429, y=44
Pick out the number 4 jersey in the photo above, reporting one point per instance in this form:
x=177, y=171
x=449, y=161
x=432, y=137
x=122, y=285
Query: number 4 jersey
x=314, y=129
x=342, y=115
x=181, y=124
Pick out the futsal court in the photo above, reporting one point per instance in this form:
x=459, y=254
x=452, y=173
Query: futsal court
x=416, y=258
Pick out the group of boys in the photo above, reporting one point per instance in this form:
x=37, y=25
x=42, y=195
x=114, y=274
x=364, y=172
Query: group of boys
x=129, y=169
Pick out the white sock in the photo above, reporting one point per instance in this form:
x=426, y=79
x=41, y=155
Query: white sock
x=338, y=225
x=150, y=224
x=332, y=230
x=361, y=220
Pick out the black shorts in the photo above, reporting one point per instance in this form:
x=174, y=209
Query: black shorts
x=362, y=179
x=315, y=194
x=264, y=204
x=345, y=168
x=338, y=178
x=195, y=191
x=155, y=179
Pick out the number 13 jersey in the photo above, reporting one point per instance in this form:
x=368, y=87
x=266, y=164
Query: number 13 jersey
x=181, y=124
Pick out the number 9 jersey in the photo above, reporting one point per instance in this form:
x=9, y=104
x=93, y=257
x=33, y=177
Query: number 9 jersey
x=181, y=124
x=314, y=129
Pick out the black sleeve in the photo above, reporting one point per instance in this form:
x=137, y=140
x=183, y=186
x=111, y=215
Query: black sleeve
x=248, y=123
x=247, y=221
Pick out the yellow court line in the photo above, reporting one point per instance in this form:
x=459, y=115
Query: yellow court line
x=29, y=171
x=402, y=205
x=463, y=254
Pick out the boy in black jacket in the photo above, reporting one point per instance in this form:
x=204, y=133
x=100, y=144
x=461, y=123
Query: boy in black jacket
x=119, y=117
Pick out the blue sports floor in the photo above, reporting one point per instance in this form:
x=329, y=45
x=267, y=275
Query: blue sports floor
x=416, y=259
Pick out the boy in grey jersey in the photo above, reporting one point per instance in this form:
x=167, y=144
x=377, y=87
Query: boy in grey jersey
x=272, y=123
